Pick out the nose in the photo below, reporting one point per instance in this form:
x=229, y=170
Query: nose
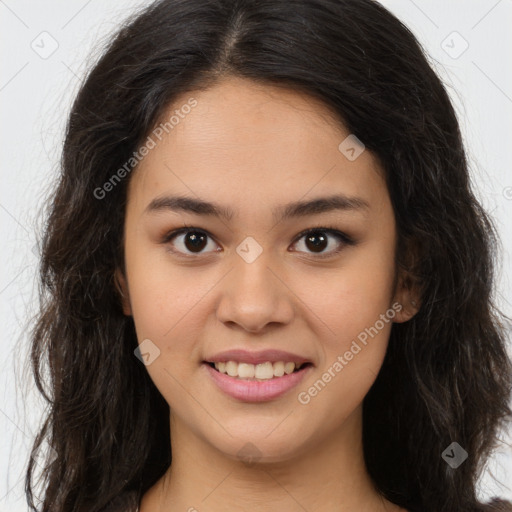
x=254, y=296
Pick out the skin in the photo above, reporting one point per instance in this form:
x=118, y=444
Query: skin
x=252, y=147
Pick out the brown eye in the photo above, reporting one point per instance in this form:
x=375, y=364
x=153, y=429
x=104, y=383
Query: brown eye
x=188, y=242
x=195, y=241
x=317, y=240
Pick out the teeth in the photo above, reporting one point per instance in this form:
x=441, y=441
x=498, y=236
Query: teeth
x=247, y=371
x=263, y=371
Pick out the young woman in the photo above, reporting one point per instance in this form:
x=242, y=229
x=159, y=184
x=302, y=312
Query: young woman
x=267, y=282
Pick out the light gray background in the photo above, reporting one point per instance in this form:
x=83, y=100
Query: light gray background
x=36, y=89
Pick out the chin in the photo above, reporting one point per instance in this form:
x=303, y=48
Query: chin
x=256, y=451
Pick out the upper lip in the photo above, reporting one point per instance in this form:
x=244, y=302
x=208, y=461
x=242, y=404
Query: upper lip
x=244, y=356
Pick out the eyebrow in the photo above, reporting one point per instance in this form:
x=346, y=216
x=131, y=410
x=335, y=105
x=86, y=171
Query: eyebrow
x=316, y=206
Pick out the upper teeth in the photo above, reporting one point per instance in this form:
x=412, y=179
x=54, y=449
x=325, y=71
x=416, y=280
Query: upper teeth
x=262, y=371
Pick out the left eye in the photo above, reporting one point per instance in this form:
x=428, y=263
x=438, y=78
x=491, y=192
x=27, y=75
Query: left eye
x=316, y=239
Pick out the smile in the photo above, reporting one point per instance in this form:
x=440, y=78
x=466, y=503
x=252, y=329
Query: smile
x=262, y=371
x=256, y=383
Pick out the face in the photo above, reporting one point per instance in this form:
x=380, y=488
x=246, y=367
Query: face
x=260, y=273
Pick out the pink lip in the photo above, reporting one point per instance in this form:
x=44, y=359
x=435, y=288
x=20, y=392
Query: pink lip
x=253, y=390
x=243, y=356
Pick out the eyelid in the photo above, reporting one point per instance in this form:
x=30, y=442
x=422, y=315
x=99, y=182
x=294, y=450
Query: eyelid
x=340, y=235
x=185, y=229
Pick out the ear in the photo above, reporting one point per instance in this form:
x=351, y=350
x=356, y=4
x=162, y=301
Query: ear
x=122, y=288
x=408, y=290
x=409, y=300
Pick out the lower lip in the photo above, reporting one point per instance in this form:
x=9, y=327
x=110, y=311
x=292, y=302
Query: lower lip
x=254, y=390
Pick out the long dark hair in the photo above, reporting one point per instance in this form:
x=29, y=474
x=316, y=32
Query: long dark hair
x=446, y=376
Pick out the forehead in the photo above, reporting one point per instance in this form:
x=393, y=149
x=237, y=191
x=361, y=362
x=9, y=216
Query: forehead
x=248, y=144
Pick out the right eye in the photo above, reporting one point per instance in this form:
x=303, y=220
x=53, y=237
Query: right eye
x=187, y=239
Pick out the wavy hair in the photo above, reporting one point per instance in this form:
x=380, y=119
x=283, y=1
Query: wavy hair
x=446, y=376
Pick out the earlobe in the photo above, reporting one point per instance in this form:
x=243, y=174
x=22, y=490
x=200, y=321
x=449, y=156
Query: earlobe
x=406, y=310
x=409, y=288
x=122, y=289
x=408, y=296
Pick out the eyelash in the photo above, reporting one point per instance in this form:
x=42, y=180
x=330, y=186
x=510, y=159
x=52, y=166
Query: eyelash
x=342, y=237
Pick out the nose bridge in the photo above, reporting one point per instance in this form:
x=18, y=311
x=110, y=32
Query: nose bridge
x=252, y=296
x=255, y=276
x=252, y=278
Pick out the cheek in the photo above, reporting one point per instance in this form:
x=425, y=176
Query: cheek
x=167, y=310
x=360, y=317
x=160, y=292
x=167, y=304
x=352, y=356
x=351, y=298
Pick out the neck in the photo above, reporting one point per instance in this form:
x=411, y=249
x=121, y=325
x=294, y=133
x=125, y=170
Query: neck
x=330, y=476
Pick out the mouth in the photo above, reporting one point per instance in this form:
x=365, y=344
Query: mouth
x=257, y=372
x=269, y=381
